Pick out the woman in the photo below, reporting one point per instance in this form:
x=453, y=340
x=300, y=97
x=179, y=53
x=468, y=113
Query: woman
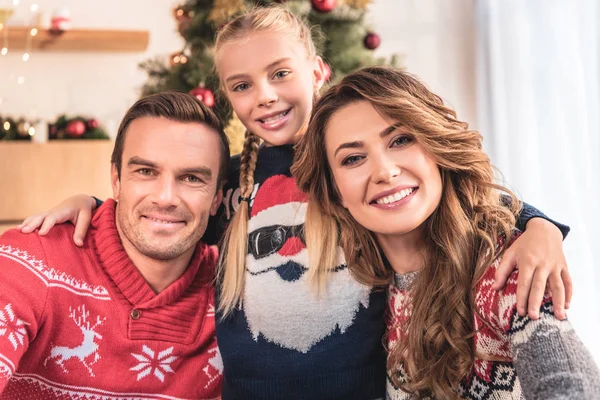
x=391, y=171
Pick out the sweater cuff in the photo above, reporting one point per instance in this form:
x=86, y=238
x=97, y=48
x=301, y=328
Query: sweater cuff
x=98, y=202
x=528, y=213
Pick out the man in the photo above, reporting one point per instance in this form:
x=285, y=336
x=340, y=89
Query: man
x=130, y=313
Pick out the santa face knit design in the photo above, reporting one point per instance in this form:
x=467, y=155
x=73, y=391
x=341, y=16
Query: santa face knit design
x=285, y=342
x=83, y=323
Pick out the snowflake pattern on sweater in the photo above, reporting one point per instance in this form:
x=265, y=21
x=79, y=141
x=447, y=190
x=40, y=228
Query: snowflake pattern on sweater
x=532, y=351
x=83, y=323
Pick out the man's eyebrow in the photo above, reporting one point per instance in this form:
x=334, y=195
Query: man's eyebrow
x=140, y=161
x=203, y=171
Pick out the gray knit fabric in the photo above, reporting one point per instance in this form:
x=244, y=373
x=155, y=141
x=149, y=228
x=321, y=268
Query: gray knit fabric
x=551, y=361
x=545, y=360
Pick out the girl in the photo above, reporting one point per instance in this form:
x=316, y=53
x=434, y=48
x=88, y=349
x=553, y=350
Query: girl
x=278, y=339
x=390, y=169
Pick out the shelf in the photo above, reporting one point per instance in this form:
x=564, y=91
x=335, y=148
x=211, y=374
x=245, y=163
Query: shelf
x=79, y=40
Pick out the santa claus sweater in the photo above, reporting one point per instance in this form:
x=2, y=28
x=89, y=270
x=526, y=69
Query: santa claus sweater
x=283, y=342
x=541, y=359
x=83, y=322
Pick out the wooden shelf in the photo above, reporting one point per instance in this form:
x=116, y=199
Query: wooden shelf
x=78, y=40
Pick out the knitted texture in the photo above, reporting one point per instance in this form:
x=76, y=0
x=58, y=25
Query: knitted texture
x=286, y=342
x=83, y=323
x=541, y=359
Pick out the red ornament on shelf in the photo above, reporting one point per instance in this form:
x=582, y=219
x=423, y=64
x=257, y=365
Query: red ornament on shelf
x=323, y=6
x=372, y=41
x=326, y=72
x=205, y=95
x=92, y=123
x=76, y=128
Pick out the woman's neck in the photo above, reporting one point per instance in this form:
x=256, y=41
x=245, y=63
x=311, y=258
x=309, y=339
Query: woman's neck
x=405, y=253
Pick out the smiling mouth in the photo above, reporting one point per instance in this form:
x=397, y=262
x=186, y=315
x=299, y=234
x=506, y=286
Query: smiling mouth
x=275, y=117
x=393, y=198
x=162, y=221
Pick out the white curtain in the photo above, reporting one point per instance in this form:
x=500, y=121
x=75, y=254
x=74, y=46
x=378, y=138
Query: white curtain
x=538, y=78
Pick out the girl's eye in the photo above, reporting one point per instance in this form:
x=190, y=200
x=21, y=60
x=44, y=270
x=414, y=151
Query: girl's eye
x=281, y=74
x=402, y=140
x=351, y=160
x=241, y=87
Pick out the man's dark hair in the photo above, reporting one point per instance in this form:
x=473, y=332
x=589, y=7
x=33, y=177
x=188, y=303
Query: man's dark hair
x=175, y=106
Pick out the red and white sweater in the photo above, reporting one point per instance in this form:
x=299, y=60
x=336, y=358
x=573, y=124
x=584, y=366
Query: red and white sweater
x=543, y=359
x=83, y=322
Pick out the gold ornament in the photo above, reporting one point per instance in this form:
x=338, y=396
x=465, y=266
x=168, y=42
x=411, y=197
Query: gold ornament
x=223, y=10
x=235, y=131
x=361, y=4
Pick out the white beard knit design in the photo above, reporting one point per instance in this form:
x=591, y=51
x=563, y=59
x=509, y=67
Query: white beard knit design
x=288, y=311
x=275, y=307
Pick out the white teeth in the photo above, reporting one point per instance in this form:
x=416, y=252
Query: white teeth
x=160, y=220
x=395, y=197
x=274, y=118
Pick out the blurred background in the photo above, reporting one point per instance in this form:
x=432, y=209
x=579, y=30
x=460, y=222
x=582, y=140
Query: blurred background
x=524, y=73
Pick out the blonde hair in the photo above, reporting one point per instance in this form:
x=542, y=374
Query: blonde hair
x=436, y=346
x=231, y=270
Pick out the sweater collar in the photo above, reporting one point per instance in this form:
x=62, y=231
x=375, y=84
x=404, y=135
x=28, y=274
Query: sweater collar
x=124, y=274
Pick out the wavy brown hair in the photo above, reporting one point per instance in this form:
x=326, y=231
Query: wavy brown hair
x=436, y=346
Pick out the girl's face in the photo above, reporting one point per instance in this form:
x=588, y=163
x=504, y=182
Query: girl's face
x=385, y=179
x=270, y=82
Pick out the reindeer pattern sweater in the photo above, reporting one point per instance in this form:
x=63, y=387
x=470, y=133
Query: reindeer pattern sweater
x=83, y=323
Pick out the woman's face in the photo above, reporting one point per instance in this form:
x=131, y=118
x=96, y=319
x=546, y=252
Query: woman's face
x=385, y=179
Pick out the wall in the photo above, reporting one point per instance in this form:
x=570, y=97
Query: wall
x=102, y=85
x=436, y=38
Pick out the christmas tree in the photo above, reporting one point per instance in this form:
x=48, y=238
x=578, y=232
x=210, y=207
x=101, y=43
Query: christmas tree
x=343, y=39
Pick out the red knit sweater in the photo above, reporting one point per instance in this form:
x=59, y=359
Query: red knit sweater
x=83, y=322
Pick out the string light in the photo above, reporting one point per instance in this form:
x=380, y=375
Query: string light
x=21, y=80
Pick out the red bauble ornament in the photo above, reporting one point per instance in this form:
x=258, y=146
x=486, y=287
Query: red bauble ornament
x=205, y=95
x=372, y=41
x=92, y=123
x=323, y=6
x=75, y=128
x=326, y=72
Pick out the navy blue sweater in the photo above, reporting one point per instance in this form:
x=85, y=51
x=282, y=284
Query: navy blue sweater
x=284, y=343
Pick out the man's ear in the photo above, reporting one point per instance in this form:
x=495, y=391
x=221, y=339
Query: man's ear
x=318, y=74
x=115, y=181
x=216, y=203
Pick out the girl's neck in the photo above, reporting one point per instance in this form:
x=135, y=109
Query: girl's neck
x=405, y=253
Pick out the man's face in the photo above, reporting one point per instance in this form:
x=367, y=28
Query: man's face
x=168, y=186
